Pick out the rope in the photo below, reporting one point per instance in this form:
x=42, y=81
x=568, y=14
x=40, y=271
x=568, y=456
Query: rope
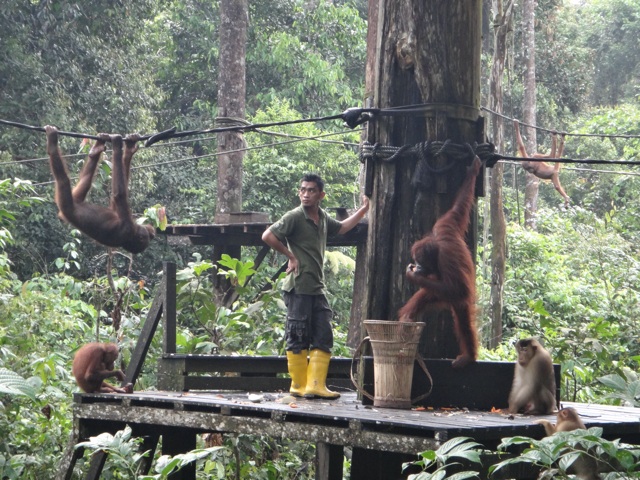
x=60, y=132
x=209, y=155
x=484, y=151
x=352, y=117
x=542, y=129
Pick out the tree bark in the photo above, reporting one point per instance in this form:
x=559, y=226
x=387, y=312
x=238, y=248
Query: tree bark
x=231, y=103
x=501, y=24
x=356, y=332
x=428, y=52
x=231, y=111
x=530, y=107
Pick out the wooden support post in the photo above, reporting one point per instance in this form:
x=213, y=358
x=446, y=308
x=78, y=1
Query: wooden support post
x=96, y=465
x=376, y=465
x=329, y=461
x=149, y=443
x=176, y=441
x=169, y=311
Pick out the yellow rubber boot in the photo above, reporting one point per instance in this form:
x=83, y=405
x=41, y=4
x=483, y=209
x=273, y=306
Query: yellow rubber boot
x=317, y=376
x=297, y=365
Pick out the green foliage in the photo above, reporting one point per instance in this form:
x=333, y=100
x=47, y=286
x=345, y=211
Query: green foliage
x=236, y=271
x=272, y=175
x=574, y=283
x=610, y=29
x=156, y=216
x=70, y=261
x=13, y=384
x=557, y=453
x=241, y=456
x=167, y=464
x=449, y=454
x=312, y=56
x=122, y=449
x=625, y=388
x=255, y=324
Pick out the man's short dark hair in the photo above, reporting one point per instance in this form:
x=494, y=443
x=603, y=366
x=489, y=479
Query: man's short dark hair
x=312, y=177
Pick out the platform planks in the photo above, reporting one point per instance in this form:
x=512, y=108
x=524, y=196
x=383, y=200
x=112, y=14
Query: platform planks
x=250, y=233
x=391, y=436
x=346, y=421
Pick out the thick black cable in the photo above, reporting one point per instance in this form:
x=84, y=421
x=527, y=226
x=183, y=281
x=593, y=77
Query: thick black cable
x=352, y=117
x=590, y=161
x=543, y=129
x=485, y=151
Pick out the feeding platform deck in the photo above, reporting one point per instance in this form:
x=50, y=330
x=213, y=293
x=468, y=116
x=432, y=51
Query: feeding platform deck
x=332, y=425
x=209, y=393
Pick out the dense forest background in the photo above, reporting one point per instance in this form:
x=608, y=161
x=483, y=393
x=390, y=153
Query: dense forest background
x=145, y=66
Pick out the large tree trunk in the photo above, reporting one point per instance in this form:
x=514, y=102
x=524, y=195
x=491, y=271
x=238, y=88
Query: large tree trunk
x=231, y=103
x=428, y=52
x=529, y=107
x=356, y=332
x=502, y=22
x=231, y=111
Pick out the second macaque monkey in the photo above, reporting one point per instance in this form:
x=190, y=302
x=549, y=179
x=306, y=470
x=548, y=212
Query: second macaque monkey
x=585, y=466
x=566, y=421
x=534, y=383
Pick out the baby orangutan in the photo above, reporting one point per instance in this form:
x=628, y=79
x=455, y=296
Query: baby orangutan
x=95, y=362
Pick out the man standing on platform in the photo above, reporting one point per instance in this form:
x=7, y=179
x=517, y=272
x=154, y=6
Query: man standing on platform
x=301, y=234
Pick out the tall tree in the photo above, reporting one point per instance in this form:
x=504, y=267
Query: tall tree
x=433, y=60
x=231, y=103
x=502, y=25
x=529, y=106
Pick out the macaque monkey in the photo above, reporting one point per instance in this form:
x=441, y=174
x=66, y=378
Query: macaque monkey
x=444, y=271
x=93, y=363
x=566, y=421
x=585, y=467
x=543, y=170
x=111, y=226
x=534, y=383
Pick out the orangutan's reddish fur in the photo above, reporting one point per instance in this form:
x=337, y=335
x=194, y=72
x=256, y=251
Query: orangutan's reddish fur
x=445, y=271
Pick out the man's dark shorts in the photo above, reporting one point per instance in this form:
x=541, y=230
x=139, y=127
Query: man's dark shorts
x=308, y=322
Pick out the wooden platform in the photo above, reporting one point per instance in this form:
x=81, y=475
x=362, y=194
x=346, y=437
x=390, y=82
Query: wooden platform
x=200, y=393
x=250, y=233
x=339, y=423
x=345, y=421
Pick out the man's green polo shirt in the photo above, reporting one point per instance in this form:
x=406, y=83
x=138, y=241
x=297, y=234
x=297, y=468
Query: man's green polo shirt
x=307, y=241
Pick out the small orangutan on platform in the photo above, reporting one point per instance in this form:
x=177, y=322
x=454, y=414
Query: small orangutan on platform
x=111, y=226
x=93, y=363
x=445, y=272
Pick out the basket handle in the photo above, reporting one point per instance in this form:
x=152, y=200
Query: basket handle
x=424, y=369
x=357, y=355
